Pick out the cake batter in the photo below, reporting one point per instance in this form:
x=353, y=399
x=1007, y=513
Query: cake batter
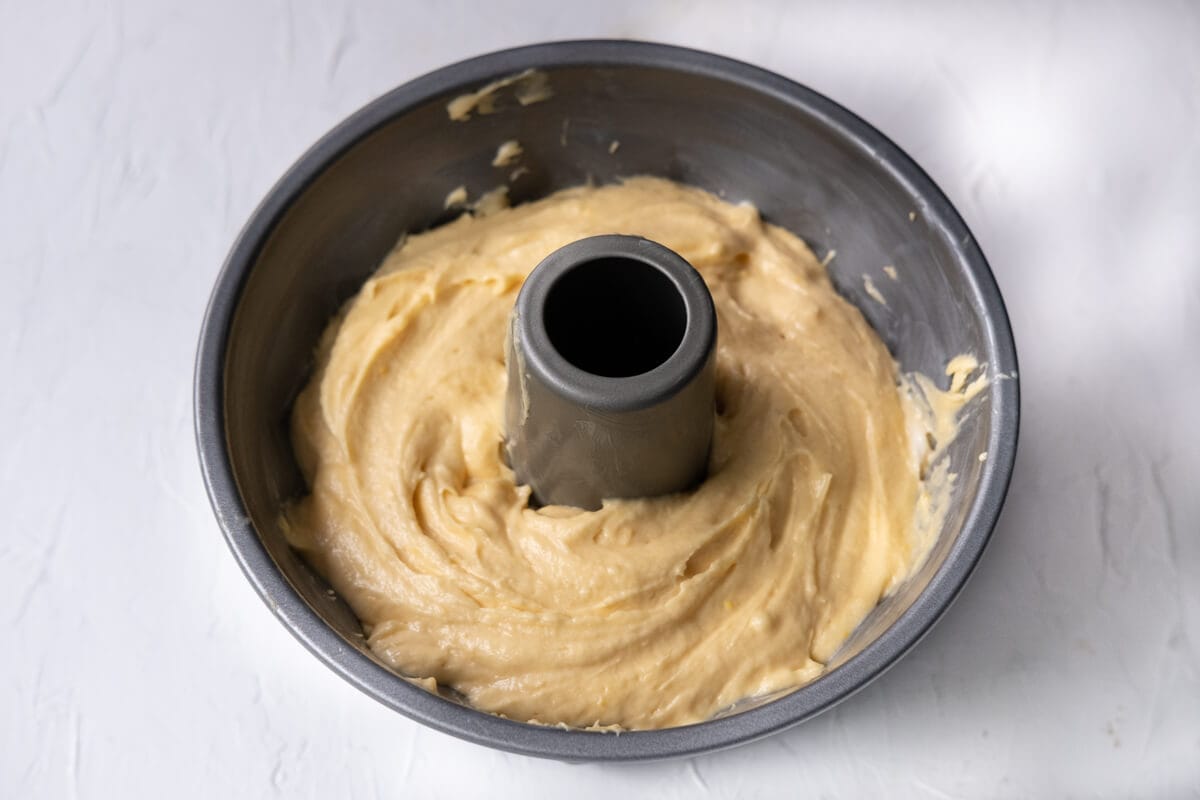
x=649, y=612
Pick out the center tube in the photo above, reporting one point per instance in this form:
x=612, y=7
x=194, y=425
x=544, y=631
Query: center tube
x=611, y=362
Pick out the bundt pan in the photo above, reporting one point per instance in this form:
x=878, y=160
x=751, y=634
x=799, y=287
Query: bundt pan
x=807, y=163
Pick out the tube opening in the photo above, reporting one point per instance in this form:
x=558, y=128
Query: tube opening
x=615, y=317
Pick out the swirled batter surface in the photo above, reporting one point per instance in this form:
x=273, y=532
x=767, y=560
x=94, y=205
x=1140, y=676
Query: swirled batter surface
x=647, y=613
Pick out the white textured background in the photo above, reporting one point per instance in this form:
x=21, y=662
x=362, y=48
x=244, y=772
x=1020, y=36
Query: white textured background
x=135, y=138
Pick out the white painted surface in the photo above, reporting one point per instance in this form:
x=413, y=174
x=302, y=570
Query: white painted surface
x=135, y=138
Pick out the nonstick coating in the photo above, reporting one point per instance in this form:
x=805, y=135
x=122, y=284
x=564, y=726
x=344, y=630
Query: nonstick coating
x=736, y=130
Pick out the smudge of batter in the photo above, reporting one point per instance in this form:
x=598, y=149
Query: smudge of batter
x=873, y=291
x=507, y=153
x=528, y=87
x=456, y=197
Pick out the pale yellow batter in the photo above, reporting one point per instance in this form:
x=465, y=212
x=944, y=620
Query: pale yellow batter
x=647, y=613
